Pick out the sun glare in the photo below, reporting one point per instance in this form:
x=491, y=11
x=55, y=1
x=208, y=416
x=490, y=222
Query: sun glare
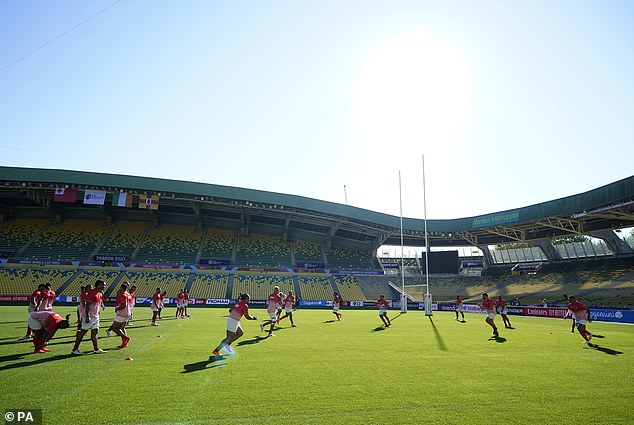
x=412, y=92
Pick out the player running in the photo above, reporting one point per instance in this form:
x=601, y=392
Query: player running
x=90, y=319
x=274, y=300
x=335, y=305
x=34, y=305
x=459, y=307
x=383, y=306
x=288, y=302
x=500, y=306
x=489, y=306
x=234, y=330
x=581, y=314
x=44, y=325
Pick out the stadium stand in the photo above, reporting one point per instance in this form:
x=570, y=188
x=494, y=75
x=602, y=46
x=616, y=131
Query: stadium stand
x=124, y=238
x=73, y=239
x=347, y=259
x=315, y=286
x=348, y=288
x=210, y=285
x=147, y=282
x=170, y=244
x=89, y=277
x=23, y=281
x=259, y=250
x=306, y=251
x=218, y=244
x=258, y=286
x=17, y=233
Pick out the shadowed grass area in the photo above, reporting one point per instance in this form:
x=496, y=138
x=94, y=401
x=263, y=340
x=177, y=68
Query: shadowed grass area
x=354, y=371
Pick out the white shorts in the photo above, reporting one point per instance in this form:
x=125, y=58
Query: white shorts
x=34, y=324
x=121, y=319
x=232, y=324
x=335, y=307
x=491, y=315
x=503, y=311
x=577, y=322
x=288, y=309
x=93, y=323
x=272, y=315
x=459, y=307
x=382, y=312
x=155, y=308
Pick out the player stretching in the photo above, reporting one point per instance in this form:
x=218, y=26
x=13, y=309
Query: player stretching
x=459, y=307
x=335, y=305
x=500, y=305
x=289, y=301
x=580, y=313
x=34, y=305
x=234, y=330
x=383, y=305
x=273, y=301
x=90, y=320
x=489, y=306
x=44, y=325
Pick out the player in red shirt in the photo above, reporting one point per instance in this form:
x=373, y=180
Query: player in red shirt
x=123, y=311
x=383, y=306
x=90, y=318
x=288, y=303
x=118, y=300
x=180, y=304
x=162, y=304
x=44, y=325
x=48, y=296
x=500, y=305
x=186, y=302
x=273, y=300
x=489, y=306
x=34, y=305
x=336, y=303
x=156, y=306
x=234, y=331
x=581, y=314
x=132, y=292
x=459, y=307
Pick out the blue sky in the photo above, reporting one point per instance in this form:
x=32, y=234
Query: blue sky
x=512, y=103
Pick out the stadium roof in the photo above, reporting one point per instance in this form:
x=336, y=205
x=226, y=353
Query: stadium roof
x=29, y=192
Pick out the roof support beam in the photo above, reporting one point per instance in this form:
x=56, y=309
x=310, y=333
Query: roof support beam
x=565, y=224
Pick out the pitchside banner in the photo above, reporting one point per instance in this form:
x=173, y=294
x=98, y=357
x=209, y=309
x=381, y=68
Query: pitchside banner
x=611, y=315
x=545, y=311
x=313, y=303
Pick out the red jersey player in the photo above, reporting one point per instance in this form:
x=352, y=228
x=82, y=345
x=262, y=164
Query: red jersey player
x=123, y=312
x=44, y=325
x=383, y=305
x=90, y=319
x=234, y=331
x=180, y=304
x=186, y=303
x=48, y=296
x=489, y=306
x=336, y=301
x=459, y=307
x=288, y=302
x=580, y=313
x=156, y=306
x=273, y=300
x=500, y=305
x=132, y=292
x=34, y=305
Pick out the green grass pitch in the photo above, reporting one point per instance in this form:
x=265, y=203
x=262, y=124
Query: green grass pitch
x=420, y=370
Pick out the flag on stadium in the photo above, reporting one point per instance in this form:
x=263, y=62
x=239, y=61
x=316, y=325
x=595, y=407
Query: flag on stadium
x=123, y=199
x=94, y=197
x=149, y=202
x=65, y=195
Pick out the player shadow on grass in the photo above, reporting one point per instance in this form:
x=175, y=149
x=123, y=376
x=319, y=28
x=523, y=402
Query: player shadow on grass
x=30, y=341
x=37, y=359
x=498, y=339
x=254, y=340
x=330, y=321
x=202, y=365
x=605, y=350
x=439, y=340
x=379, y=328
